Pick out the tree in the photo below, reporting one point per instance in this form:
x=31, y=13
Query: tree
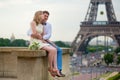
x=19, y=42
x=117, y=50
x=92, y=49
x=118, y=60
x=108, y=58
x=1, y=42
x=61, y=44
x=4, y=42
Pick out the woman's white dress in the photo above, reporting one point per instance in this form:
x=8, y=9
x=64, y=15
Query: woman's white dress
x=39, y=30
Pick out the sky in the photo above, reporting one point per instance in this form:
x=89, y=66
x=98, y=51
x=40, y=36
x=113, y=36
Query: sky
x=65, y=17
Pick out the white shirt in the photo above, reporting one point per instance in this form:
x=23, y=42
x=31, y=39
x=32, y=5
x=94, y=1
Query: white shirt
x=47, y=31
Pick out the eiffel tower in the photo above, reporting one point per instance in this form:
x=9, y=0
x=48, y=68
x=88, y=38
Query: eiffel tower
x=90, y=28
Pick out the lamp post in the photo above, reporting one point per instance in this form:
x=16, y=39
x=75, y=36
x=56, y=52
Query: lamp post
x=106, y=44
x=97, y=43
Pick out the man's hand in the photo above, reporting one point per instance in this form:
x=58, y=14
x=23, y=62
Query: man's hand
x=44, y=41
x=50, y=42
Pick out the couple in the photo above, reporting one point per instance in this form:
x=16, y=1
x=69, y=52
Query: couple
x=40, y=33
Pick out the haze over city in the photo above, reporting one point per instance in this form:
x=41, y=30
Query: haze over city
x=65, y=16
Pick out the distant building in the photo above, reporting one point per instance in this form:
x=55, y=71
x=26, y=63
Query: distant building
x=12, y=38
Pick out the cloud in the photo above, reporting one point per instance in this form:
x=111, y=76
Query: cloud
x=19, y=2
x=65, y=16
x=8, y=3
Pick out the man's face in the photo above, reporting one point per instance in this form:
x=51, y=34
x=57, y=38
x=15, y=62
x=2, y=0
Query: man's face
x=45, y=17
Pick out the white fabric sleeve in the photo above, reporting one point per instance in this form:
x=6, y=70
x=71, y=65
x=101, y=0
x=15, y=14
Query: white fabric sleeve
x=48, y=31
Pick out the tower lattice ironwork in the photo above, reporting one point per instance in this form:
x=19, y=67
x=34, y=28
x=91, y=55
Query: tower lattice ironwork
x=91, y=28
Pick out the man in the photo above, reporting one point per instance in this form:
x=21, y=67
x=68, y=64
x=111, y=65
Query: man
x=47, y=35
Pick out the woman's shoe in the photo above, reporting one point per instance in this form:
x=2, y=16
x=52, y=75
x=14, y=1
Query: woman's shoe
x=51, y=72
x=57, y=72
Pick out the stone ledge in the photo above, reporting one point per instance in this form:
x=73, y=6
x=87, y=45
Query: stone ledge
x=29, y=53
x=66, y=50
x=20, y=63
x=12, y=48
x=8, y=78
x=23, y=51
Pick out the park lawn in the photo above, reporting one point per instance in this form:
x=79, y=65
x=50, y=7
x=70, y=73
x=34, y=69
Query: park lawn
x=103, y=76
x=116, y=77
x=106, y=74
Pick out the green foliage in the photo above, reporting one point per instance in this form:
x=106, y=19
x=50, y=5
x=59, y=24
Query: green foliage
x=116, y=77
x=7, y=43
x=4, y=42
x=117, y=50
x=91, y=49
x=118, y=60
x=97, y=48
x=108, y=58
x=61, y=44
x=19, y=42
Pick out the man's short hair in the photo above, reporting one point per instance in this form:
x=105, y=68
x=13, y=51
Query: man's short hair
x=46, y=12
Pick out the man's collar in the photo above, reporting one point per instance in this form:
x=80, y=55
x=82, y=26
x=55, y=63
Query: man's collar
x=44, y=23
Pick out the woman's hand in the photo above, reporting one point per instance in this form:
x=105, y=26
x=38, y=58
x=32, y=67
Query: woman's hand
x=37, y=36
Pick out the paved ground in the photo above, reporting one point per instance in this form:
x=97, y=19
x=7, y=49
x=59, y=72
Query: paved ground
x=86, y=76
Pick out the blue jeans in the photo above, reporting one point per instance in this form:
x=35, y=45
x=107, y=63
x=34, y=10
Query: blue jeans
x=59, y=58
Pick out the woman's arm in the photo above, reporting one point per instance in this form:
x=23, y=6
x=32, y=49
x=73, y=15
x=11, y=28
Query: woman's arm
x=34, y=32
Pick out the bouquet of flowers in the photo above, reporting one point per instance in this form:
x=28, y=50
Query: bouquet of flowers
x=34, y=46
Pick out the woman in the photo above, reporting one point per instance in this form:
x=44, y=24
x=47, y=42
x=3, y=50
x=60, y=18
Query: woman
x=37, y=29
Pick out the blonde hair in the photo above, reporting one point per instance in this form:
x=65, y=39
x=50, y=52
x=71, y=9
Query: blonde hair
x=37, y=17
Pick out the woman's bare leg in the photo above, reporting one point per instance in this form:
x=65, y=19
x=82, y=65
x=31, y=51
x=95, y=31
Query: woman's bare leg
x=55, y=60
x=52, y=57
x=55, y=63
x=51, y=54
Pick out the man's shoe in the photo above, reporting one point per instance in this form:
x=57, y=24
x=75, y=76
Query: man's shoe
x=62, y=75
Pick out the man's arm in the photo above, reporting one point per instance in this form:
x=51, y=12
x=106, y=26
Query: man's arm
x=48, y=31
x=47, y=35
x=52, y=43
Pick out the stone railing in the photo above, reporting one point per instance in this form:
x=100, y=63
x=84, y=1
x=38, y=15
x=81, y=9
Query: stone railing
x=20, y=63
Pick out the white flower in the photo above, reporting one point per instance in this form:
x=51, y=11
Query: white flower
x=34, y=46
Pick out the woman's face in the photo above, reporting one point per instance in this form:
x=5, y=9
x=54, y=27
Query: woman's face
x=41, y=17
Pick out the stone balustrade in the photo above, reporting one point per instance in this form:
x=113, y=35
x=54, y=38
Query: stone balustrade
x=20, y=63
